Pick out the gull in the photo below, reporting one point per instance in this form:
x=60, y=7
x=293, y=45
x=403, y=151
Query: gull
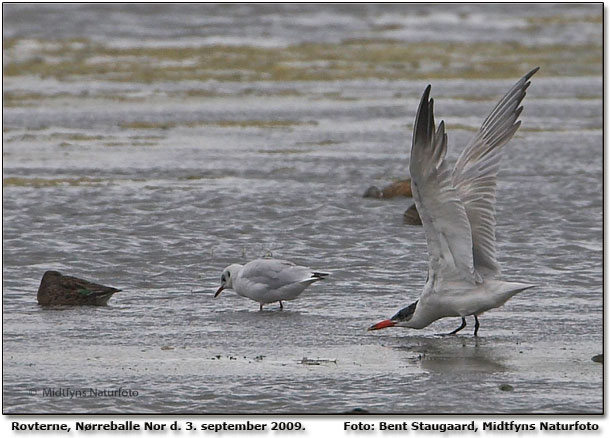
x=268, y=280
x=458, y=215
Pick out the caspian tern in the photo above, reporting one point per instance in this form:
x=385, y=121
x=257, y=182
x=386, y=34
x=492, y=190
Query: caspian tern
x=458, y=214
x=268, y=280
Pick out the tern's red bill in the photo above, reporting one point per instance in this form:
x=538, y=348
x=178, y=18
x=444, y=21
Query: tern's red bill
x=383, y=324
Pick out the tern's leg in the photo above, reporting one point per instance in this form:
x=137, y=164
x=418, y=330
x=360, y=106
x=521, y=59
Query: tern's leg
x=476, y=325
x=281, y=306
x=460, y=327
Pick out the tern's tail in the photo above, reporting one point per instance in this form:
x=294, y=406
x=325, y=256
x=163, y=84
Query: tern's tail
x=509, y=289
x=520, y=287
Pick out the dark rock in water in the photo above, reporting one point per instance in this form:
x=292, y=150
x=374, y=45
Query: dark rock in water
x=306, y=361
x=599, y=358
x=357, y=411
x=58, y=289
x=398, y=188
x=372, y=192
x=506, y=387
x=411, y=216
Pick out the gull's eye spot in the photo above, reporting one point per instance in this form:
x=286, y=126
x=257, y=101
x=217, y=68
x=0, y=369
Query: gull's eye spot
x=222, y=278
x=228, y=275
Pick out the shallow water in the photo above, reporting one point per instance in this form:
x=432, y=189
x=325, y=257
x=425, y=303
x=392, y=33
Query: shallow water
x=153, y=181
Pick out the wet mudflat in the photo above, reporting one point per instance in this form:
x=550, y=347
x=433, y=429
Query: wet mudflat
x=149, y=156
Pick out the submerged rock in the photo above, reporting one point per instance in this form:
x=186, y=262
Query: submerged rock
x=599, y=358
x=398, y=188
x=357, y=411
x=58, y=289
x=506, y=387
x=372, y=192
x=306, y=361
x=411, y=216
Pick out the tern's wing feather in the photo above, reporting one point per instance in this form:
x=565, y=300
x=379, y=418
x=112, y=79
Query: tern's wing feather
x=474, y=175
x=442, y=213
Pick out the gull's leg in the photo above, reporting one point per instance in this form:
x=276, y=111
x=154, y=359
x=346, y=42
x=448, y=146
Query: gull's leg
x=460, y=327
x=476, y=325
x=281, y=306
x=260, y=309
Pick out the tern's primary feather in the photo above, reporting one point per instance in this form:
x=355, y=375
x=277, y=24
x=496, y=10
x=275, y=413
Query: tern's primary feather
x=474, y=175
x=442, y=212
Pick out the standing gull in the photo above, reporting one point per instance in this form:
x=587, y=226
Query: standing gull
x=458, y=214
x=268, y=280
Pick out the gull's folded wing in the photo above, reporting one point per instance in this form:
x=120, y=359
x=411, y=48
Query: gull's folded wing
x=273, y=273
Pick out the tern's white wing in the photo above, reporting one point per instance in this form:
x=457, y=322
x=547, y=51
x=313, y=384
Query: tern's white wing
x=474, y=175
x=441, y=210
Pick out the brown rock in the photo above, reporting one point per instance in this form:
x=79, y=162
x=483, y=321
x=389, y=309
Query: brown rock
x=411, y=216
x=58, y=289
x=372, y=192
x=398, y=188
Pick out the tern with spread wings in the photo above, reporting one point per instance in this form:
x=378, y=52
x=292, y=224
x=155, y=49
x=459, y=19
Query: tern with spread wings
x=458, y=214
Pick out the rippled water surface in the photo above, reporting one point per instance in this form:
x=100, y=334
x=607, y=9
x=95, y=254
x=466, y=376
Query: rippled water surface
x=148, y=147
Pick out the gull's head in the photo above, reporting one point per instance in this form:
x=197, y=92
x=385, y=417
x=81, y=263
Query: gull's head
x=226, y=278
x=401, y=319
